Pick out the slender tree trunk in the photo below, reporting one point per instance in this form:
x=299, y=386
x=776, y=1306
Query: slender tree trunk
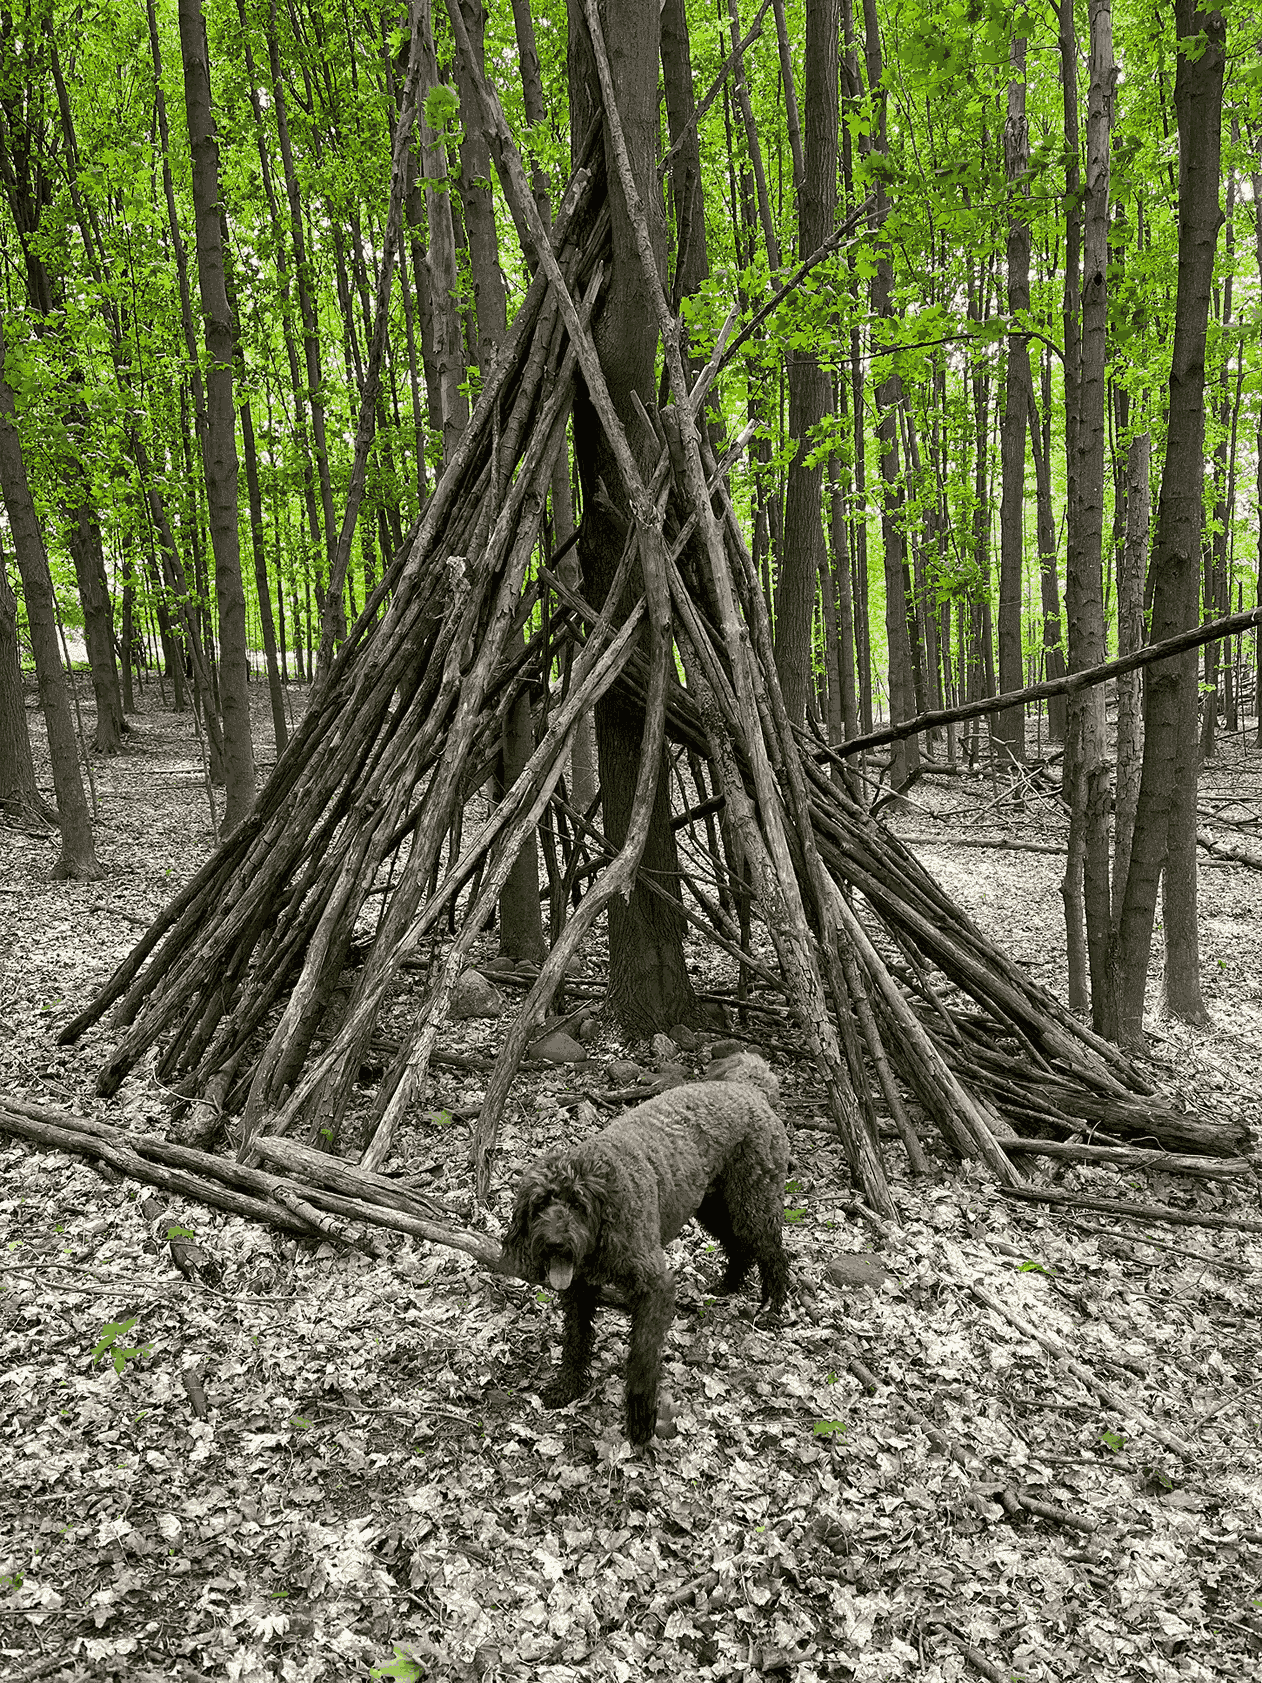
x=306, y=297
x=1090, y=788
x=1086, y=882
x=489, y=298
x=649, y=988
x=1217, y=589
x=1165, y=820
x=78, y=853
x=267, y=623
x=1009, y=727
x=740, y=87
x=1049, y=583
x=20, y=798
x=441, y=260
x=221, y=453
x=805, y=559
x=279, y=257
x=1130, y=636
x=902, y=692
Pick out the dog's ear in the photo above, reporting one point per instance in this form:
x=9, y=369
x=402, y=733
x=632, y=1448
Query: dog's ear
x=536, y=1188
x=592, y=1184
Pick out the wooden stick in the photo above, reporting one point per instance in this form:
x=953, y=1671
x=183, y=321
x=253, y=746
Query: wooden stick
x=1131, y=1157
x=1193, y=638
x=1132, y=1212
x=1125, y=1406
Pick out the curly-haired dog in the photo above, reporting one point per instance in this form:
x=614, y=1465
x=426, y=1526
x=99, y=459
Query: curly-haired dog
x=601, y=1213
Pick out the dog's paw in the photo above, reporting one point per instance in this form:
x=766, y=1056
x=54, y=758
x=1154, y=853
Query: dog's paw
x=641, y=1417
x=562, y=1391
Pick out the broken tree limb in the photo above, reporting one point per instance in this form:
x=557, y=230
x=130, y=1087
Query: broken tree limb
x=1193, y=638
x=1130, y=1158
x=1132, y=1212
x=1126, y=1407
x=285, y=1201
x=320, y=1168
x=133, y=1166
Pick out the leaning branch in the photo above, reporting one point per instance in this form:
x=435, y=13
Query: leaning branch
x=1193, y=638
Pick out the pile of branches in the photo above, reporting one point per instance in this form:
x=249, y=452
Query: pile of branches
x=341, y=859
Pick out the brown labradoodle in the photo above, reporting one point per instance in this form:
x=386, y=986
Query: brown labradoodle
x=601, y=1213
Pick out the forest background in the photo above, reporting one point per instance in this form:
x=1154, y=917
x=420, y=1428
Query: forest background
x=956, y=243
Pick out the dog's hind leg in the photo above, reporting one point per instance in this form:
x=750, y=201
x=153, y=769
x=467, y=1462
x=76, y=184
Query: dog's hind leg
x=715, y=1216
x=574, y=1375
x=754, y=1196
x=652, y=1310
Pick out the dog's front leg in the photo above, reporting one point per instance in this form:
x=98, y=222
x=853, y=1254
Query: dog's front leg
x=652, y=1310
x=578, y=1305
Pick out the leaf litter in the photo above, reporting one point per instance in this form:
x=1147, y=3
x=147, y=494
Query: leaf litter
x=896, y=1481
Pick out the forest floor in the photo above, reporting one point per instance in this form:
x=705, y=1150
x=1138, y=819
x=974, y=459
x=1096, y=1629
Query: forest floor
x=891, y=1482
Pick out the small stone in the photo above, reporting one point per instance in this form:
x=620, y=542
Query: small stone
x=669, y=1075
x=685, y=1038
x=714, y=1016
x=558, y=1048
x=501, y=965
x=858, y=1271
x=588, y=1030
x=729, y=1048
x=473, y=996
x=664, y=1048
x=623, y=1073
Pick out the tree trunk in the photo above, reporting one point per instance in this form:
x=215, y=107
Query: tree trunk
x=20, y=798
x=1086, y=776
x=490, y=302
x=1049, y=584
x=306, y=298
x=221, y=437
x=441, y=260
x=1217, y=585
x=280, y=731
x=1165, y=819
x=1090, y=792
x=281, y=260
x=1009, y=727
x=1130, y=636
x=78, y=853
x=889, y=393
x=649, y=989
x=805, y=559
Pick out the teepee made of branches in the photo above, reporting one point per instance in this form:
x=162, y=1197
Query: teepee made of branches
x=337, y=878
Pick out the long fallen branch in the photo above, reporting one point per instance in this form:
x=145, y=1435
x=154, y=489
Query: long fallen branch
x=1128, y=1158
x=1132, y=1212
x=1126, y=1406
x=1192, y=638
x=223, y=1183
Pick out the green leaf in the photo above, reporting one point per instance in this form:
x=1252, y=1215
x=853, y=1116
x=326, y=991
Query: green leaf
x=402, y=1667
x=828, y=1428
x=110, y=1335
x=1112, y=1440
x=1034, y=1268
x=441, y=106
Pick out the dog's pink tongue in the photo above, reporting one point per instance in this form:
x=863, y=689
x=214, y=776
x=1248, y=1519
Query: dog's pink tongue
x=560, y=1273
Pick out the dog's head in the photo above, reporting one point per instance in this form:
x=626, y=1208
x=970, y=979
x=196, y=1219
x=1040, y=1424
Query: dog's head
x=556, y=1219
x=749, y=1068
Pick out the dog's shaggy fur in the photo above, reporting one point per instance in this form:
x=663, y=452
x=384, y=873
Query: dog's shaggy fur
x=601, y=1213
